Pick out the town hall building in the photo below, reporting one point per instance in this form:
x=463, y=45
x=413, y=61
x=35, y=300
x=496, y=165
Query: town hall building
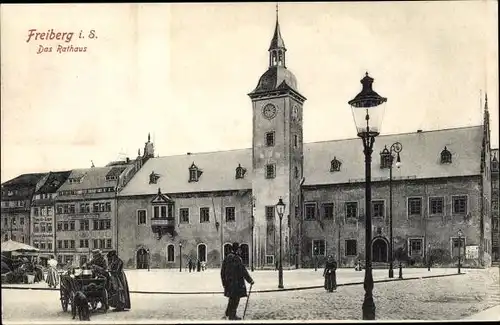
x=193, y=206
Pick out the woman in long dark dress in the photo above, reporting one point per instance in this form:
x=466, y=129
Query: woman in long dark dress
x=330, y=274
x=120, y=295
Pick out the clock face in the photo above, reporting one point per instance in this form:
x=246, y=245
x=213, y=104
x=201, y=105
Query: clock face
x=269, y=111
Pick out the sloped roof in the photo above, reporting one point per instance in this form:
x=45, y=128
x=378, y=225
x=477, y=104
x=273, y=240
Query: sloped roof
x=53, y=182
x=219, y=170
x=420, y=158
x=25, y=180
x=91, y=178
x=116, y=171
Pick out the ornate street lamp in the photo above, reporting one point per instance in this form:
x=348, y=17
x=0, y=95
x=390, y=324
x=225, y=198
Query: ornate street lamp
x=395, y=148
x=149, y=258
x=180, y=257
x=368, y=110
x=280, y=208
x=460, y=234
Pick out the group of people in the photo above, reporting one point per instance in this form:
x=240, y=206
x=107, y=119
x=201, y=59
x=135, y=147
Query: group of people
x=198, y=266
x=17, y=270
x=112, y=270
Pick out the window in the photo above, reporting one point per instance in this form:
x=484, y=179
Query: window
x=72, y=208
x=351, y=247
x=65, y=226
x=494, y=204
x=49, y=227
x=415, y=206
x=310, y=213
x=170, y=253
x=49, y=211
x=184, y=215
x=270, y=212
x=270, y=171
x=378, y=208
x=163, y=210
x=42, y=245
x=318, y=247
x=296, y=172
x=459, y=204
x=240, y=172
x=49, y=245
x=71, y=225
x=170, y=210
x=204, y=215
x=385, y=158
x=194, y=173
x=328, y=211
x=141, y=217
x=202, y=252
x=102, y=243
x=436, y=205
x=84, y=224
x=445, y=156
x=21, y=221
x=35, y=212
x=297, y=211
x=335, y=165
x=455, y=244
x=351, y=210
x=72, y=243
x=59, y=244
x=36, y=227
x=42, y=227
x=95, y=243
x=495, y=224
x=270, y=259
x=230, y=214
x=84, y=243
x=295, y=141
x=108, y=243
x=108, y=206
x=156, y=212
x=416, y=245
x=270, y=139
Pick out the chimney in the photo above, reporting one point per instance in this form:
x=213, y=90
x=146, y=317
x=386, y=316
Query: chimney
x=419, y=131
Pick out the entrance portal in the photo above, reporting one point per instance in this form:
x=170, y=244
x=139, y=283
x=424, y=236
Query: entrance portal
x=142, y=259
x=379, y=250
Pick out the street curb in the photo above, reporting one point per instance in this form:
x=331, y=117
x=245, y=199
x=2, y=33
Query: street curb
x=256, y=291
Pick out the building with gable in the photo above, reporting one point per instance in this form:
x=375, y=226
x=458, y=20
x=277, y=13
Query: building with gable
x=193, y=206
x=16, y=201
x=43, y=212
x=495, y=224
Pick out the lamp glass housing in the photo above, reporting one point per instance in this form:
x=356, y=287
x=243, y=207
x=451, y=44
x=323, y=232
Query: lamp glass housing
x=280, y=207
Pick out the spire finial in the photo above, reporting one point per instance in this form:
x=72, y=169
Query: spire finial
x=149, y=136
x=277, y=10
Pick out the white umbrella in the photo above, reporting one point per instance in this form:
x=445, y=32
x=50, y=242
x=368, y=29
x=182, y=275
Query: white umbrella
x=14, y=246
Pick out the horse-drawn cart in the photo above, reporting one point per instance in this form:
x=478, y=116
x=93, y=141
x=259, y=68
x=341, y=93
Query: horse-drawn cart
x=94, y=288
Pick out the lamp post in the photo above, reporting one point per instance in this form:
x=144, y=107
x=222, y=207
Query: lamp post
x=315, y=258
x=428, y=257
x=460, y=234
x=296, y=256
x=280, y=208
x=395, y=148
x=368, y=109
x=180, y=257
x=149, y=257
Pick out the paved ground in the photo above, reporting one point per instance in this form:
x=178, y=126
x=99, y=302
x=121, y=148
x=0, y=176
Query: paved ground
x=444, y=298
x=170, y=280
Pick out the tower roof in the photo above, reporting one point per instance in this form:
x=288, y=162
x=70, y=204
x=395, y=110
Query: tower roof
x=277, y=41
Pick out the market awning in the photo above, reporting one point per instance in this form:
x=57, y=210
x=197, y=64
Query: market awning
x=14, y=246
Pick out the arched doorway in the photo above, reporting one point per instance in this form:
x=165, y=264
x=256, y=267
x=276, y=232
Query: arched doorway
x=142, y=258
x=202, y=252
x=245, y=255
x=380, y=250
x=227, y=249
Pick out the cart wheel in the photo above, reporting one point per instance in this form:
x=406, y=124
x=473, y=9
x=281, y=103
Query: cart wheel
x=64, y=299
x=105, y=300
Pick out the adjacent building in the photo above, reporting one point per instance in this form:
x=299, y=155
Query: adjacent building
x=194, y=205
x=43, y=212
x=495, y=228
x=16, y=201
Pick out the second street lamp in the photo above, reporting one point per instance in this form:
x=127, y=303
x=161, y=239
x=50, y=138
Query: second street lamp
x=180, y=257
x=368, y=110
x=280, y=208
x=460, y=234
x=395, y=148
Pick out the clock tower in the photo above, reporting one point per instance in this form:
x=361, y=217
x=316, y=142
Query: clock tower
x=277, y=149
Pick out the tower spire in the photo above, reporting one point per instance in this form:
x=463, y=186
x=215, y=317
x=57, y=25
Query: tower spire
x=277, y=48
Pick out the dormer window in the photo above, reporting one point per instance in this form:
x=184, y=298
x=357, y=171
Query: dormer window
x=385, y=158
x=335, y=165
x=111, y=178
x=153, y=178
x=240, y=172
x=194, y=173
x=75, y=180
x=494, y=164
x=445, y=156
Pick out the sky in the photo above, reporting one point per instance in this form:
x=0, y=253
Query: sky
x=183, y=71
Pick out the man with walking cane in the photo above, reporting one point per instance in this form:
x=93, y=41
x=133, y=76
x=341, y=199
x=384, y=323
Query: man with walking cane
x=233, y=274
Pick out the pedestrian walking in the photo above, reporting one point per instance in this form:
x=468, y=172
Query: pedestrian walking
x=120, y=299
x=52, y=274
x=330, y=274
x=190, y=265
x=233, y=275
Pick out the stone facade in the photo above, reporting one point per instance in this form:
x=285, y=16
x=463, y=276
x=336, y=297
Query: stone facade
x=137, y=239
x=432, y=231
x=495, y=224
